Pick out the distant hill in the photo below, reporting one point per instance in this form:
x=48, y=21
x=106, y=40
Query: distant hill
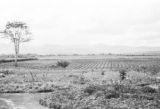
x=78, y=49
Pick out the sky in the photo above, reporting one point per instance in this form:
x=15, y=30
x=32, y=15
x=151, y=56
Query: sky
x=84, y=23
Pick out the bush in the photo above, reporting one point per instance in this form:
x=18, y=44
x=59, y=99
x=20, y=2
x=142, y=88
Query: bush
x=106, y=91
x=122, y=74
x=154, y=70
x=91, y=89
x=62, y=64
x=103, y=73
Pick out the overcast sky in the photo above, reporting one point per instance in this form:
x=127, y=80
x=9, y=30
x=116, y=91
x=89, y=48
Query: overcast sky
x=86, y=22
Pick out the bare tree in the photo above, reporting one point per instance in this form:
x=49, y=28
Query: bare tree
x=17, y=32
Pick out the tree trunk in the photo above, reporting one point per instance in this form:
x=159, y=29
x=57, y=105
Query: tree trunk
x=16, y=64
x=16, y=52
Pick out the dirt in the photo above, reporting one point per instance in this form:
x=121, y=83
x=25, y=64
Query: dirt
x=20, y=101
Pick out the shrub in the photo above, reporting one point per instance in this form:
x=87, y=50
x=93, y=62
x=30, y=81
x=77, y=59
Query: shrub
x=91, y=89
x=147, y=89
x=102, y=90
x=103, y=72
x=62, y=64
x=144, y=68
x=122, y=74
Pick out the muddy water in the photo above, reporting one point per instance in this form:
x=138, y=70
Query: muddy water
x=20, y=101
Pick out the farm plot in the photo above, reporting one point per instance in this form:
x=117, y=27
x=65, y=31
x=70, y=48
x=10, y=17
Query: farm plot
x=137, y=64
x=113, y=64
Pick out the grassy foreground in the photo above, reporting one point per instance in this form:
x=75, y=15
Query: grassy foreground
x=80, y=89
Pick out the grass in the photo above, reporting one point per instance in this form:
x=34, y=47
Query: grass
x=84, y=88
x=110, y=96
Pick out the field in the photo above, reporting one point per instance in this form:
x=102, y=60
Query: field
x=88, y=82
x=93, y=63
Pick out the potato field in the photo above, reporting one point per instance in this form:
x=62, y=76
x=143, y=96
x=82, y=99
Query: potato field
x=113, y=63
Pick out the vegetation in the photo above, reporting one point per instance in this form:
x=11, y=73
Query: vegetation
x=62, y=64
x=112, y=96
x=84, y=88
x=123, y=74
x=19, y=59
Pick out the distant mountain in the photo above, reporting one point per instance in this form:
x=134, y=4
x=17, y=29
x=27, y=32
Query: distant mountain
x=78, y=49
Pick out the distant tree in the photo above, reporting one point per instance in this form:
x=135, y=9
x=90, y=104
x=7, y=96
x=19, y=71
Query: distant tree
x=17, y=32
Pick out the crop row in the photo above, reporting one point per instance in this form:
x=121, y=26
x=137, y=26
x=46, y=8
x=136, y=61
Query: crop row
x=89, y=64
x=114, y=64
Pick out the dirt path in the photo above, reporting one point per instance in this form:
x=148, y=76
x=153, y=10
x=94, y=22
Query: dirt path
x=20, y=101
x=10, y=104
